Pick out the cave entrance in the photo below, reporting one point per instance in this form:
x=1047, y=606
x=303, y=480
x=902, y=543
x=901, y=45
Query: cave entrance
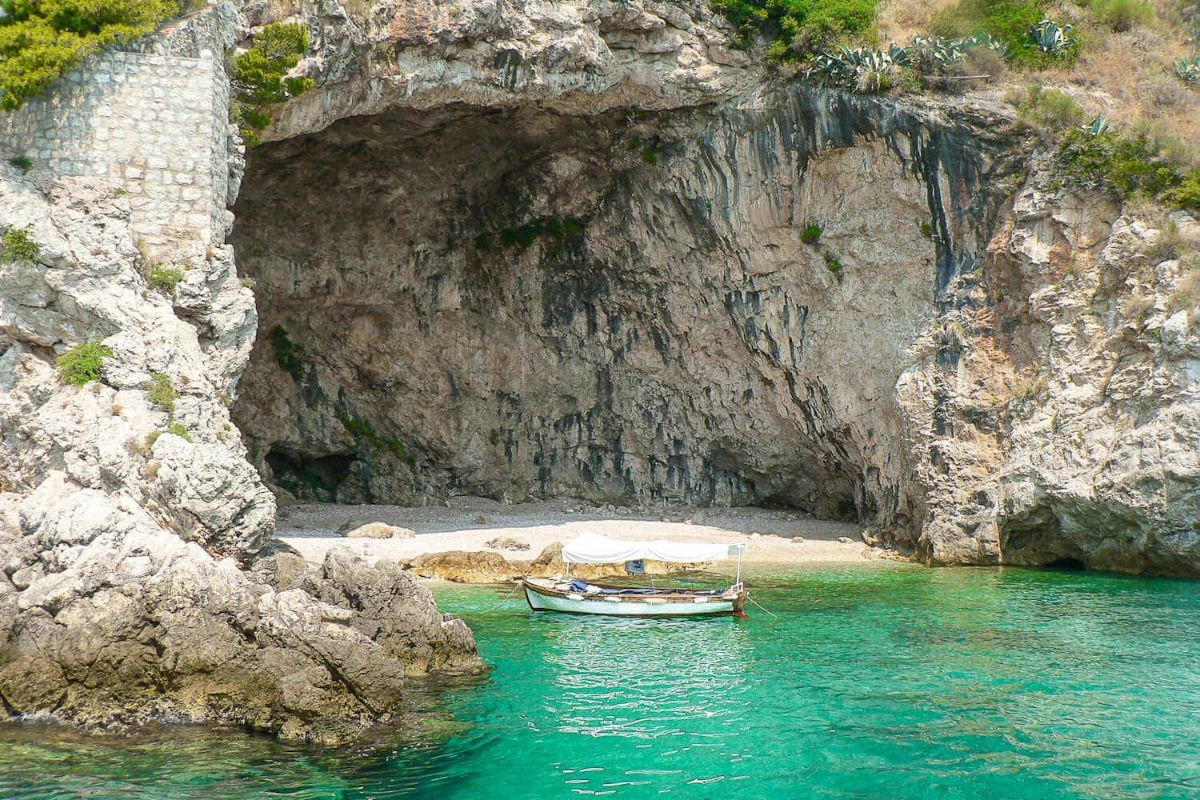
x=619, y=308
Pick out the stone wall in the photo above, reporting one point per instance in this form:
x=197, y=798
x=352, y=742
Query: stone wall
x=154, y=116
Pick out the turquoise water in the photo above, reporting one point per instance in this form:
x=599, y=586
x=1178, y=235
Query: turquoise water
x=866, y=683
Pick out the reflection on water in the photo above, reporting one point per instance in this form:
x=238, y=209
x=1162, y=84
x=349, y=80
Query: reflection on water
x=868, y=683
x=643, y=678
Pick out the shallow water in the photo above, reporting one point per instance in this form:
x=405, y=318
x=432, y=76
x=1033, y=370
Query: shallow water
x=869, y=682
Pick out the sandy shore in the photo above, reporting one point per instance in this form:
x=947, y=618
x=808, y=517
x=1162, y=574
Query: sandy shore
x=772, y=537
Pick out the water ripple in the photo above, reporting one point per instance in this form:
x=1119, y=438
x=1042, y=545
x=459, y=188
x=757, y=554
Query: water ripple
x=867, y=684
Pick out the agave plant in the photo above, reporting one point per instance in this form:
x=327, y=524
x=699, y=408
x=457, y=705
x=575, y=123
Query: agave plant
x=1188, y=69
x=864, y=69
x=940, y=52
x=1097, y=126
x=986, y=42
x=1050, y=38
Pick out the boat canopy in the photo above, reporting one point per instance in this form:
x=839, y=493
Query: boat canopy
x=592, y=548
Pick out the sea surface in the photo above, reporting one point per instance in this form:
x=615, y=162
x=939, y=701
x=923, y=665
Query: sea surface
x=864, y=682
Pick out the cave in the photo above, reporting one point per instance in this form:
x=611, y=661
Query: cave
x=697, y=306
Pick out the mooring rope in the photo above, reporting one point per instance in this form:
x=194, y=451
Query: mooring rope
x=504, y=597
x=761, y=606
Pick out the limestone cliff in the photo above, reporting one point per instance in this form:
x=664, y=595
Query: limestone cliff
x=137, y=578
x=537, y=249
x=562, y=250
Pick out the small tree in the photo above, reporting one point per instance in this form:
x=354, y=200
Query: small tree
x=259, y=75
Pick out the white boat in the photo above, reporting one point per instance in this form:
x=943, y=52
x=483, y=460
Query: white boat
x=577, y=596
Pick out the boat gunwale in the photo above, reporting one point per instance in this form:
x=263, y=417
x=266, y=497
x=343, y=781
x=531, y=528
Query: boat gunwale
x=680, y=595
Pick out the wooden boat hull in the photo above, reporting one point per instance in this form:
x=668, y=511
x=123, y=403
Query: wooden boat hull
x=542, y=599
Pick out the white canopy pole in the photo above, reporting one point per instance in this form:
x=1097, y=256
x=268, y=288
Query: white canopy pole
x=738, y=549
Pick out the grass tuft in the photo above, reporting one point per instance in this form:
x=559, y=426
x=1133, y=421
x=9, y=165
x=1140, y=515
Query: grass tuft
x=1123, y=15
x=161, y=393
x=166, y=278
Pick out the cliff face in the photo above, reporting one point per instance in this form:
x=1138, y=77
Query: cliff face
x=621, y=307
x=563, y=252
x=137, y=578
x=528, y=250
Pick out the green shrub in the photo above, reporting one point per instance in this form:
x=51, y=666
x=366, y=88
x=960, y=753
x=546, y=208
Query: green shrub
x=1186, y=195
x=42, y=39
x=1123, y=165
x=17, y=245
x=166, y=278
x=811, y=233
x=1008, y=21
x=796, y=28
x=557, y=229
x=833, y=263
x=1049, y=108
x=178, y=430
x=361, y=429
x=21, y=162
x=1123, y=15
x=82, y=363
x=162, y=393
x=259, y=75
x=288, y=355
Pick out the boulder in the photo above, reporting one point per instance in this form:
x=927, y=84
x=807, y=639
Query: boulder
x=507, y=543
x=463, y=567
x=379, y=530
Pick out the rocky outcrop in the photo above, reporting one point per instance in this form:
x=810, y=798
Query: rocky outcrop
x=525, y=249
x=127, y=525
x=590, y=276
x=1068, y=410
x=483, y=566
x=136, y=575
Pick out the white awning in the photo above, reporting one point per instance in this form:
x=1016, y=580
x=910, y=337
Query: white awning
x=592, y=548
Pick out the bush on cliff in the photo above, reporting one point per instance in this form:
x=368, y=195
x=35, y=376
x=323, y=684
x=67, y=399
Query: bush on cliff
x=17, y=245
x=1127, y=166
x=797, y=28
x=82, y=363
x=1007, y=21
x=42, y=39
x=260, y=75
